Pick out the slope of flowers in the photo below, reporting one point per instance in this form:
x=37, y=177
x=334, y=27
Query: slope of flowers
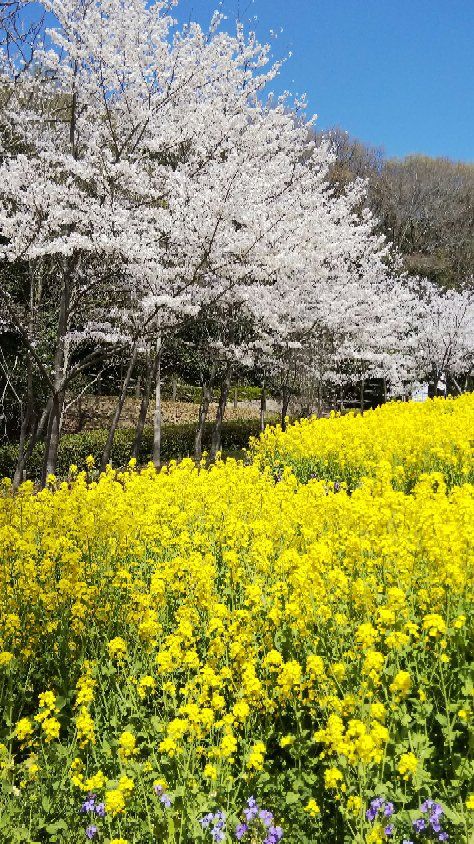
x=412, y=438
x=207, y=655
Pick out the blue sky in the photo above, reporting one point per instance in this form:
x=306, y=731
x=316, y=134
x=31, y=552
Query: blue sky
x=396, y=73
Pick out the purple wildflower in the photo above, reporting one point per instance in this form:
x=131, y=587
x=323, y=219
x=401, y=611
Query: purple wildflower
x=240, y=831
x=374, y=808
x=251, y=810
x=100, y=810
x=443, y=836
x=89, y=804
x=275, y=834
x=389, y=830
x=206, y=820
x=389, y=809
x=91, y=832
x=266, y=817
x=419, y=824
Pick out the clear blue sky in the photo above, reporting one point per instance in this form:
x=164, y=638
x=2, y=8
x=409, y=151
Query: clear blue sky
x=395, y=73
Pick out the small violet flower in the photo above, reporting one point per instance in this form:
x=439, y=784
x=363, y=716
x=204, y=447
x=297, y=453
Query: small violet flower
x=89, y=804
x=419, y=824
x=240, y=831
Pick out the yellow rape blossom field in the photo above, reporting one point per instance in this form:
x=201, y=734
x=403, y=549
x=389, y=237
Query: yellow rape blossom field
x=410, y=437
x=253, y=653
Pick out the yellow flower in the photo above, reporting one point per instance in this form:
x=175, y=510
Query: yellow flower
x=470, y=802
x=85, y=728
x=51, y=728
x=401, y=684
x=126, y=785
x=96, y=782
x=117, y=648
x=407, y=765
x=312, y=808
x=315, y=665
x=114, y=802
x=378, y=711
x=127, y=745
x=24, y=729
x=168, y=746
x=333, y=777
x=210, y=772
x=434, y=624
x=241, y=710
x=228, y=746
x=354, y=804
x=5, y=658
x=256, y=756
x=47, y=700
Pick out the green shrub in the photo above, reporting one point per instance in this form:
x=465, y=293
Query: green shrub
x=176, y=441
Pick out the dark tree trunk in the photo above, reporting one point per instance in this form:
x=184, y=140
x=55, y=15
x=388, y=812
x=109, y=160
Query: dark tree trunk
x=203, y=411
x=285, y=402
x=157, y=414
x=263, y=407
x=60, y=366
x=174, y=387
x=362, y=385
x=118, y=410
x=145, y=403
x=138, y=387
x=221, y=406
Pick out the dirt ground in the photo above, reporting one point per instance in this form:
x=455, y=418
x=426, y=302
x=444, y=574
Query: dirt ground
x=93, y=412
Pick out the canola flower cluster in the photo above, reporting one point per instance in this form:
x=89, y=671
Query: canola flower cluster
x=179, y=649
x=410, y=438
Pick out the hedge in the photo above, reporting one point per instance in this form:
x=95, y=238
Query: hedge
x=189, y=393
x=176, y=441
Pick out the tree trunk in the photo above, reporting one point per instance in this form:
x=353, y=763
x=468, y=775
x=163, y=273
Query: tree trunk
x=319, y=400
x=362, y=384
x=149, y=380
x=60, y=366
x=385, y=390
x=118, y=410
x=263, y=407
x=157, y=414
x=25, y=424
x=52, y=436
x=221, y=406
x=236, y=397
x=285, y=401
x=174, y=387
x=203, y=411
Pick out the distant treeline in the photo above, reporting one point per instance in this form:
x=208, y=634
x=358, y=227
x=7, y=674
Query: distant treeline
x=425, y=206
